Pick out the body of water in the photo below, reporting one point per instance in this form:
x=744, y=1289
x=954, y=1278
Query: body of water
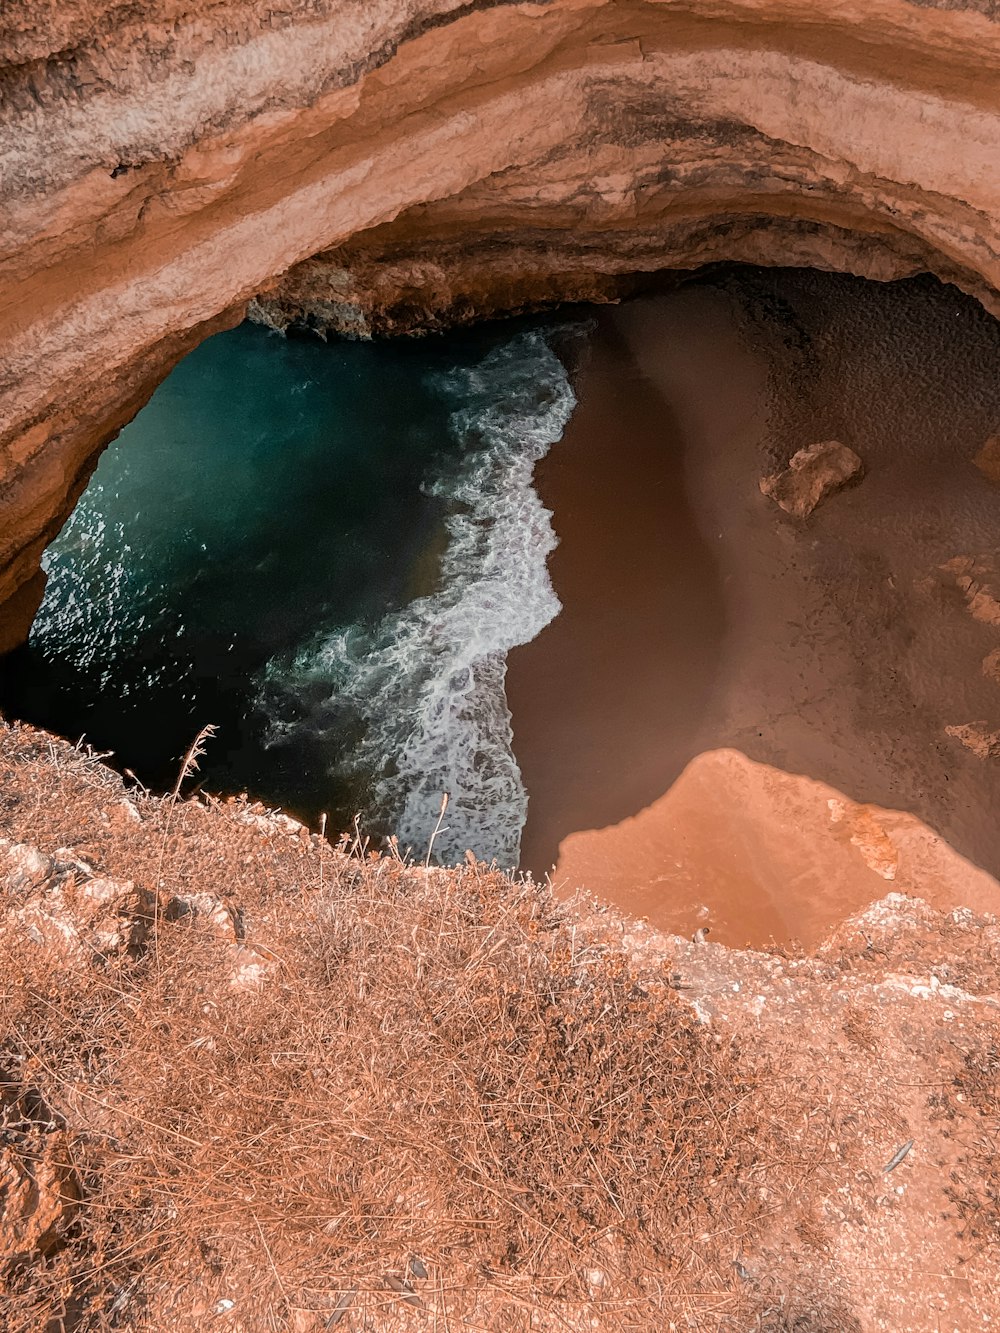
x=530, y=565
x=327, y=551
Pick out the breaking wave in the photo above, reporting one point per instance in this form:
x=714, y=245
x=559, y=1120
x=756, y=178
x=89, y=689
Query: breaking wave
x=427, y=684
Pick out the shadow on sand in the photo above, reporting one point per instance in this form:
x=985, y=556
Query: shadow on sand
x=632, y=654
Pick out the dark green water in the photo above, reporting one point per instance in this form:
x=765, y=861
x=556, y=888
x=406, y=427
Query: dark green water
x=325, y=550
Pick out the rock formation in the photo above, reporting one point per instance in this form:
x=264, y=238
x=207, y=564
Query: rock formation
x=394, y=164
x=812, y=474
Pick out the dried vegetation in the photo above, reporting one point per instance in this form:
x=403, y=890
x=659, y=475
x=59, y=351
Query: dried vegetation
x=975, y=1187
x=289, y=1086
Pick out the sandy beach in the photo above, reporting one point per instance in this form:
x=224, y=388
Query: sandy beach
x=698, y=618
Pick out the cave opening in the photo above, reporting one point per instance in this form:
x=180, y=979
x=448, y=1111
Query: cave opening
x=531, y=563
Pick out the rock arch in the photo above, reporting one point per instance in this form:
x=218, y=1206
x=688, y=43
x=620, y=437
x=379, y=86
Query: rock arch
x=383, y=164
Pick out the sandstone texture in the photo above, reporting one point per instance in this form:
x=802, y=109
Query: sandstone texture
x=978, y=579
x=977, y=737
x=396, y=164
x=38, y=1190
x=812, y=474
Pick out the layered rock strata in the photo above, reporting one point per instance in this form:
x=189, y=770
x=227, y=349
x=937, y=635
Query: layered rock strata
x=408, y=162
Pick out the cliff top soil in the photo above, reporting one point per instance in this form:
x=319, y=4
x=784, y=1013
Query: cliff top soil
x=252, y=1081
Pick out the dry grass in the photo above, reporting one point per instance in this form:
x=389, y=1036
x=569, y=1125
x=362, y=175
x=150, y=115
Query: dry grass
x=386, y=1095
x=975, y=1187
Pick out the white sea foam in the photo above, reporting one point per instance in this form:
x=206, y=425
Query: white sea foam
x=429, y=682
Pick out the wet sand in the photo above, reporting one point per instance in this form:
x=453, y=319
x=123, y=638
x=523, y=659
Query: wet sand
x=698, y=618
x=630, y=567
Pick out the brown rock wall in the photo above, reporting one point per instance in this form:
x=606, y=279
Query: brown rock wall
x=161, y=166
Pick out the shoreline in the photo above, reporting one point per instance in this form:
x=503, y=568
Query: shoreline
x=699, y=620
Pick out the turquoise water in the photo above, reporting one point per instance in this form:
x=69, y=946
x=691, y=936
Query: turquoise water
x=326, y=551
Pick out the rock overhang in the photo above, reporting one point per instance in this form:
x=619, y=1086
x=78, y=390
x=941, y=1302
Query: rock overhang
x=406, y=164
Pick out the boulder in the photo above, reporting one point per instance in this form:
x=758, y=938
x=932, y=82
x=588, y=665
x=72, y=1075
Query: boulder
x=977, y=737
x=978, y=579
x=813, y=474
x=39, y=1189
x=988, y=459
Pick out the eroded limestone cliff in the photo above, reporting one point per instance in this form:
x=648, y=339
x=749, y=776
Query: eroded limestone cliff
x=374, y=165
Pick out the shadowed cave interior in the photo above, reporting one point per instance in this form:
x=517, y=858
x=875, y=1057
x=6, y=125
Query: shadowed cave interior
x=317, y=547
